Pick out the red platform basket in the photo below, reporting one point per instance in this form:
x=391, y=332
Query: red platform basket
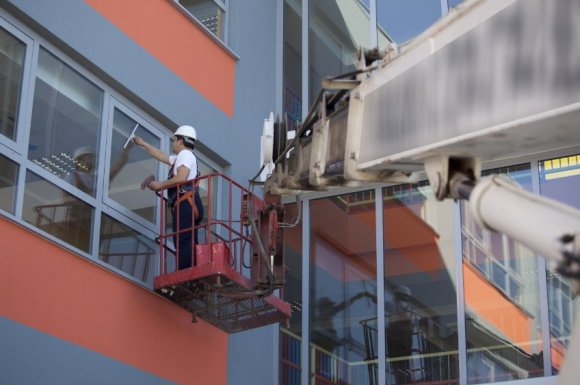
x=218, y=288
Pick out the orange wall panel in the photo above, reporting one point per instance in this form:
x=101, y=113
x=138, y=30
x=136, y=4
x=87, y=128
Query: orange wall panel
x=168, y=35
x=59, y=293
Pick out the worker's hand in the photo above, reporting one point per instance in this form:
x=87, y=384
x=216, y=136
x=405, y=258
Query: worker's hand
x=154, y=185
x=139, y=141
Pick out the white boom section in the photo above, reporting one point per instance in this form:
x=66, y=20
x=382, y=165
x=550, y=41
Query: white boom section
x=493, y=79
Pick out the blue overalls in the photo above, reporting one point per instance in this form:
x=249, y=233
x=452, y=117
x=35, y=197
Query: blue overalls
x=180, y=204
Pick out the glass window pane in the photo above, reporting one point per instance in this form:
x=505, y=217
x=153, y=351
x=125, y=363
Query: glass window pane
x=291, y=336
x=127, y=250
x=129, y=166
x=66, y=120
x=293, y=62
x=336, y=31
x=503, y=332
x=343, y=294
x=420, y=288
x=207, y=13
x=559, y=179
x=8, y=180
x=55, y=211
x=12, y=53
x=402, y=20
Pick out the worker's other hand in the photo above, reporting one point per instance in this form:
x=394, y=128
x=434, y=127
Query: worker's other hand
x=154, y=185
x=139, y=141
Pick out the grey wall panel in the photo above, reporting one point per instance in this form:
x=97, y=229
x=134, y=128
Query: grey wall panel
x=253, y=37
x=29, y=357
x=252, y=355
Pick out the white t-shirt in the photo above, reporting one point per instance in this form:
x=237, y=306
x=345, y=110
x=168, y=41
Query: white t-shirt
x=184, y=158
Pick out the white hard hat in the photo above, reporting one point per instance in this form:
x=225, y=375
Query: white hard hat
x=83, y=151
x=187, y=132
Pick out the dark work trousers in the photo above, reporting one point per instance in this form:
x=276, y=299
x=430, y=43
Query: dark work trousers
x=187, y=239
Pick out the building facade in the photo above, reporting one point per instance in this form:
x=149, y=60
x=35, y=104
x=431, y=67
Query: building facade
x=78, y=232
x=387, y=285
x=390, y=286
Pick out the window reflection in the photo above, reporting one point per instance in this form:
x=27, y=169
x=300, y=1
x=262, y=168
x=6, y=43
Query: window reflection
x=291, y=336
x=343, y=302
x=336, y=31
x=503, y=326
x=8, y=179
x=65, y=128
x=559, y=179
x=420, y=289
x=12, y=53
x=127, y=250
x=56, y=212
x=129, y=166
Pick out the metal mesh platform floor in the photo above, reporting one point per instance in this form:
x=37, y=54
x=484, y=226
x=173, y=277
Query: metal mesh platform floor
x=221, y=296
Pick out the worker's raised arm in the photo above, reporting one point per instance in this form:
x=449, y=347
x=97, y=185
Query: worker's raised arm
x=154, y=152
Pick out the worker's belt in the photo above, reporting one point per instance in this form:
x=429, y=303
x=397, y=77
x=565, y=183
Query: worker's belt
x=187, y=195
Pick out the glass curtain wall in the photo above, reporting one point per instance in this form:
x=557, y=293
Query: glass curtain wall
x=291, y=336
x=420, y=288
x=502, y=306
x=559, y=178
x=337, y=28
x=343, y=292
x=12, y=52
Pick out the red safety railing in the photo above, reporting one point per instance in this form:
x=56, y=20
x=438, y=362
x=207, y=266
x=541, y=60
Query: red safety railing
x=223, y=223
x=238, y=260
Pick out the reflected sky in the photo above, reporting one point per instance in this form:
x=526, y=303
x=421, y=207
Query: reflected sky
x=405, y=19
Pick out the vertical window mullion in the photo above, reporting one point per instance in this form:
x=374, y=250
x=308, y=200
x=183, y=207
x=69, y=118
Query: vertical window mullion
x=24, y=126
x=305, y=347
x=305, y=58
x=103, y=172
x=380, y=274
x=460, y=292
x=543, y=288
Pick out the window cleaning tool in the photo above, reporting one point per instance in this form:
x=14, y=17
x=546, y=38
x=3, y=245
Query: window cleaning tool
x=131, y=136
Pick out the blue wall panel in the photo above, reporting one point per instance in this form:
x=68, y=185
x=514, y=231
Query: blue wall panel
x=29, y=357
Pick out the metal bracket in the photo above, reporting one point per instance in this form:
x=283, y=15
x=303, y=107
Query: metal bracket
x=447, y=175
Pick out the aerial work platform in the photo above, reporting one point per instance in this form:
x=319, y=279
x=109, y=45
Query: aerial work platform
x=232, y=285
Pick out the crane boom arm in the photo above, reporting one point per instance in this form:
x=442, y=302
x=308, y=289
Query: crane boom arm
x=494, y=79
